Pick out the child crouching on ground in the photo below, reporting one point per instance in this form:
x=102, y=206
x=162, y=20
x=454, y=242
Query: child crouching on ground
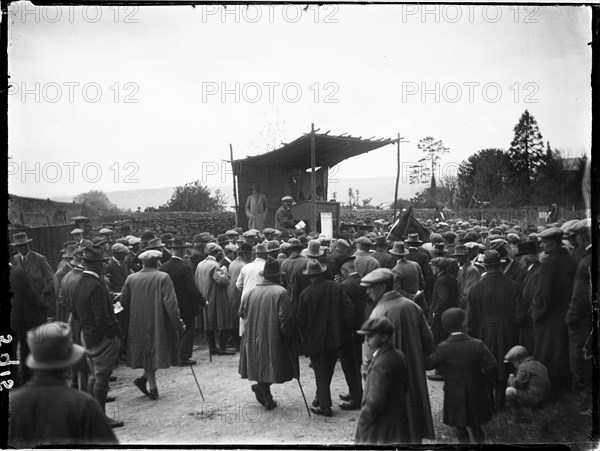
x=469, y=368
x=530, y=387
x=384, y=415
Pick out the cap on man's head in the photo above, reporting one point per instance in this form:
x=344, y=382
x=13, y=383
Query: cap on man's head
x=76, y=231
x=105, y=231
x=452, y=319
x=379, y=275
x=516, y=353
x=260, y=249
x=119, y=247
x=583, y=226
x=287, y=199
x=377, y=325
x=553, y=233
x=147, y=235
x=150, y=255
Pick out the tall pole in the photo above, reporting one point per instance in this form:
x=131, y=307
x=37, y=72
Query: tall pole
x=313, y=187
x=235, y=200
x=397, y=181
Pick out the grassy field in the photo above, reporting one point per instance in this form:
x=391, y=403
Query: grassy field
x=560, y=422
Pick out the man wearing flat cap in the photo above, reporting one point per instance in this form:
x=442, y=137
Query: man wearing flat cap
x=283, y=217
x=325, y=314
x=550, y=304
x=37, y=268
x=413, y=337
x=256, y=208
x=580, y=309
x=77, y=235
x=494, y=311
x=154, y=321
x=384, y=412
x=527, y=253
x=76, y=419
x=93, y=308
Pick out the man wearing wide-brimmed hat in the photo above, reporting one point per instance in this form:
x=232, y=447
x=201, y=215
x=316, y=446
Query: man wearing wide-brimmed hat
x=62, y=314
x=189, y=298
x=382, y=254
x=77, y=418
x=158, y=245
x=325, y=314
x=413, y=337
x=213, y=283
x=550, y=304
x=99, y=327
x=154, y=321
x=37, y=268
x=468, y=274
x=408, y=277
x=293, y=263
x=267, y=353
x=494, y=310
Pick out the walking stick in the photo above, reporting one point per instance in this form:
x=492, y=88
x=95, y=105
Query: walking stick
x=297, y=378
x=196, y=379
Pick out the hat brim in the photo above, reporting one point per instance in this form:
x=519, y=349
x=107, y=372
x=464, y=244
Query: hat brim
x=76, y=354
x=315, y=255
x=314, y=273
x=93, y=260
x=262, y=274
x=28, y=240
x=399, y=253
x=501, y=262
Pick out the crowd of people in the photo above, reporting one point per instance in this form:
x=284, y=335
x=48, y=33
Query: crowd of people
x=501, y=312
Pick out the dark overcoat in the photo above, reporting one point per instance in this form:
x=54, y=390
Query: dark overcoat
x=267, y=353
x=44, y=411
x=117, y=272
x=213, y=283
x=550, y=304
x=493, y=314
x=530, y=285
x=445, y=296
x=359, y=297
x=28, y=310
x=413, y=337
x=384, y=412
x=189, y=298
x=325, y=314
x=468, y=368
x=154, y=320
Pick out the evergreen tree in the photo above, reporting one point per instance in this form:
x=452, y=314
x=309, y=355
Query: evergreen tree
x=527, y=150
x=194, y=197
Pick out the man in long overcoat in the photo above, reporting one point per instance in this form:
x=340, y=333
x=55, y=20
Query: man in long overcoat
x=578, y=318
x=468, y=275
x=527, y=252
x=550, y=304
x=213, y=284
x=325, y=315
x=267, y=353
x=154, y=321
x=244, y=256
x=256, y=209
x=189, y=298
x=493, y=313
x=413, y=337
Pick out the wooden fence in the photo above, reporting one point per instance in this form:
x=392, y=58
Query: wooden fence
x=47, y=240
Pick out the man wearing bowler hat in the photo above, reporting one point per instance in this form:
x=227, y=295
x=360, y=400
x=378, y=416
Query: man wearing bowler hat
x=100, y=330
x=550, y=304
x=267, y=352
x=189, y=298
x=413, y=337
x=527, y=253
x=45, y=411
x=494, y=310
x=325, y=315
x=37, y=268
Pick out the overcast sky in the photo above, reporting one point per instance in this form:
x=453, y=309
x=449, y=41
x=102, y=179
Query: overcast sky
x=117, y=98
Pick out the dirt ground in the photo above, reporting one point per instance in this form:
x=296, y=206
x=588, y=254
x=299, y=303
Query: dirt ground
x=230, y=413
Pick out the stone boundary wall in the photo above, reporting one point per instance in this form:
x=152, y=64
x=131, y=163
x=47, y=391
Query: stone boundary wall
x=32, y=212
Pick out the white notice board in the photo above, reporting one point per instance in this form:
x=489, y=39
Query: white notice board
x=327, y=224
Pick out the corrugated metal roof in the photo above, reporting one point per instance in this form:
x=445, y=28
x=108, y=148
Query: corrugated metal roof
x=329, y=151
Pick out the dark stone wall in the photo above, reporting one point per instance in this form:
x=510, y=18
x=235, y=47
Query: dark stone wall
x=28, y=211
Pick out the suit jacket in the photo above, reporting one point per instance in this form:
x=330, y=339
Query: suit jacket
x=38, y=269
x=94, y=310
x=384, y=258
x=358, y=296
x=117, y=273
x=28, y=310
x=515, y=272
x=189, y=298
x=468, y=367
x=78, y=420
x=325, y=314
x=284, y=219
x=384, y=412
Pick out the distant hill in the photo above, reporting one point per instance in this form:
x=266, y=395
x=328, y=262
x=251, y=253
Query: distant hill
x=380, y=189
